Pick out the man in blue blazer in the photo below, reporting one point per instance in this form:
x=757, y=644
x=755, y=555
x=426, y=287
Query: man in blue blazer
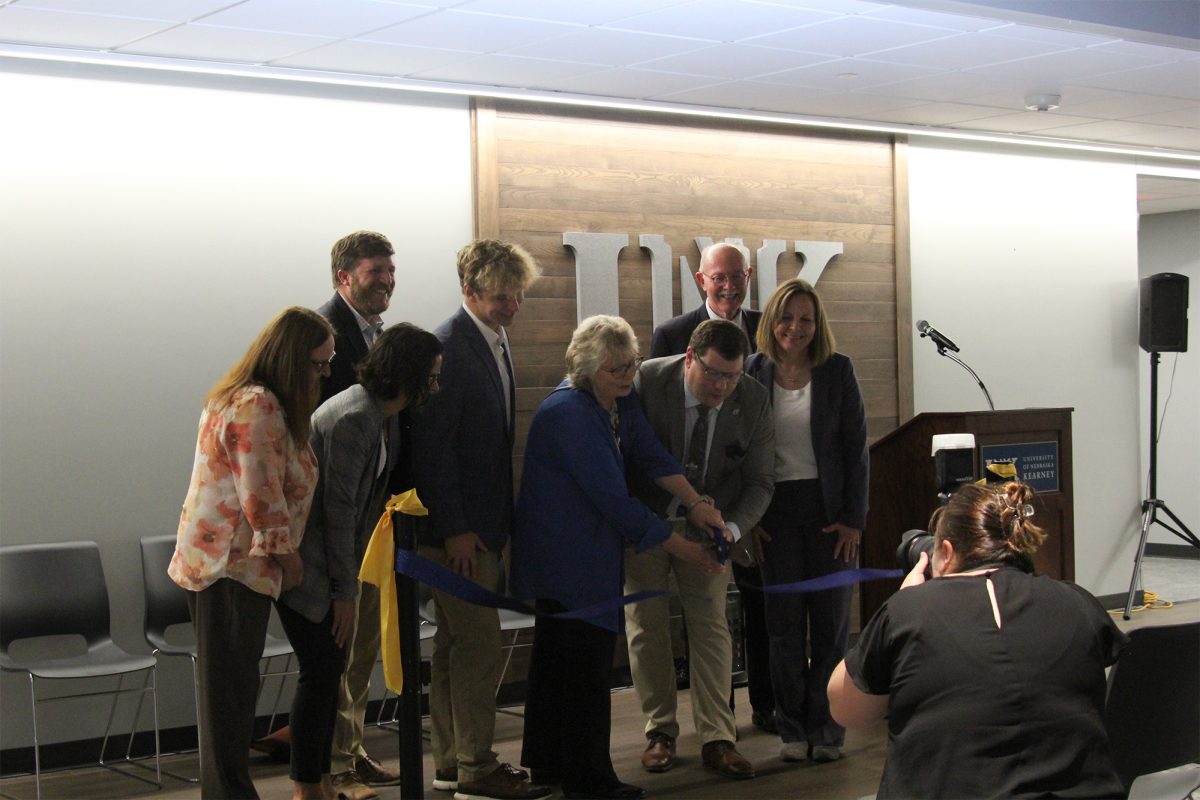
x=720, y=428
x=462, y=445
x=724, y=275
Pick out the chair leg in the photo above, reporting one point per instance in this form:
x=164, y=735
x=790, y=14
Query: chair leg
x=37, y=751
x=149, y=684
x=504, y=674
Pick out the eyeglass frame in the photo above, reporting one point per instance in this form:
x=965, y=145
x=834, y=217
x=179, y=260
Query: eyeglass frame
x=722, y=279
x=321, y=366
x=716, y=375
x=627, y=367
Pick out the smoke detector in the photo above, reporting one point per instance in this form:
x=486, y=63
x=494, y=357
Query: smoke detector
x=1042, y=102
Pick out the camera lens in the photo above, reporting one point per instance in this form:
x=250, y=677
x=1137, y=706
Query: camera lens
x=912, y=544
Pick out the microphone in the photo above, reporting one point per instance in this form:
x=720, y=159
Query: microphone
x=938, y=338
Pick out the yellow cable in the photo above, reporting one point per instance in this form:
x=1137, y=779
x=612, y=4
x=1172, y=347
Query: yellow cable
x=1150, y=602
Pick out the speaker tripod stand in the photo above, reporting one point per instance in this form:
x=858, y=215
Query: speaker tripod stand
x=1152, y=504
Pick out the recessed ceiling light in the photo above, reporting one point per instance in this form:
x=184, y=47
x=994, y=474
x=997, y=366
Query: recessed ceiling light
x=848, y=76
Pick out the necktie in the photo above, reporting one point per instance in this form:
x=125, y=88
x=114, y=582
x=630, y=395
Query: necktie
x=697, y=447
x=509, y=384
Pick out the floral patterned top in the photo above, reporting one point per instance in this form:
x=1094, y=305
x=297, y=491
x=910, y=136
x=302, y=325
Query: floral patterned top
x=251, y=490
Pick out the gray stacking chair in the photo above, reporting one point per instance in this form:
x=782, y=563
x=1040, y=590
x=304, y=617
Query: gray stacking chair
x=55, y=590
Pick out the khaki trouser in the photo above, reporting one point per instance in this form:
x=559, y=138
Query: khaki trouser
x=710, y=649
x=464, y=672
x=362, y=654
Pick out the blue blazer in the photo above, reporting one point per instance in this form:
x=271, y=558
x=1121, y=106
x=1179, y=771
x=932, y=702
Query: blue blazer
x=839, y=435
x=575, y=514
x=462, y=442
x=671, y=338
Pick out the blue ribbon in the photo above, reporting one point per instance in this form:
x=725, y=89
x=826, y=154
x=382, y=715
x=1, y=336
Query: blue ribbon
x=438, y=577
x=832, y=581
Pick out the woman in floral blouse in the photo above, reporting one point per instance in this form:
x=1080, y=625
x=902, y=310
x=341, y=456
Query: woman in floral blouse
x=243, y=518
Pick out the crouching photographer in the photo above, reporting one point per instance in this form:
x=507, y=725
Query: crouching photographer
x=991, y=678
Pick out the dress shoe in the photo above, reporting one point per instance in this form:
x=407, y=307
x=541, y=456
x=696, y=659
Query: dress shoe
x=375, y=774
x=765, y=722
x=793, y=751
x=659, y=755
x=445, y=780
x=722, y=756
x=824, y=753
x=506, y=782
x=619, y=791
x=349, y=785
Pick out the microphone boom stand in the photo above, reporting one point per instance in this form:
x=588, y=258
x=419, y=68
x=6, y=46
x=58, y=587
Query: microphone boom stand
x=943, y=352
x=1151, y=505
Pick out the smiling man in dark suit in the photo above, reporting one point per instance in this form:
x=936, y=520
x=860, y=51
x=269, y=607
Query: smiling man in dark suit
x=463, y=443
x=724, y=275
x=720, y=428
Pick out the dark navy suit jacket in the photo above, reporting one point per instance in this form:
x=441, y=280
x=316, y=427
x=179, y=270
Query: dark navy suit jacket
x=671, y=338
x=462, y=442
x=348, y=343
x=839, y=435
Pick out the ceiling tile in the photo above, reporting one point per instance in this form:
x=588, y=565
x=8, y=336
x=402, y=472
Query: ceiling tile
x=1053, y=70
x=479, y=33
x=1052, y=36
x=746, y=95
x=963, y=51
x=508, y=71
x=344, y=19
x=580, y=13
x=939, y=114
x=1163, y=136
x=61, y=29
x=1106, y=104
x=721, y=20
x=855, y=106
x=1024, y=122
x=733, y=61
x=950, y=86
x=635, y=83
x=1181, y=79
x=609, y=47
x=221, y=44
x=171, y=10
x=852, y=36
x=371, y=58
x=847, y=74
x=1183, y=118
x=934, y=19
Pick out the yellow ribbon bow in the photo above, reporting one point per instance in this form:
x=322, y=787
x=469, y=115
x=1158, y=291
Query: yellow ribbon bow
x=379, y=568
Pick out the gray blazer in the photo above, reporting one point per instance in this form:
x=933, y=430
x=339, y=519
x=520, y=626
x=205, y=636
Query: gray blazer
x=741, y=460
x=351, y=492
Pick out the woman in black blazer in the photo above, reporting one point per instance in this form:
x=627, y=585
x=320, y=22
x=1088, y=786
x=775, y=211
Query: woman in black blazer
x=816, y=517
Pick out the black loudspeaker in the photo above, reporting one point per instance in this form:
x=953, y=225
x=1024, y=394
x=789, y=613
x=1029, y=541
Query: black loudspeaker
x=1162, y=321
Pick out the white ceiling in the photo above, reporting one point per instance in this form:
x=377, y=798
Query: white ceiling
x=962, y=65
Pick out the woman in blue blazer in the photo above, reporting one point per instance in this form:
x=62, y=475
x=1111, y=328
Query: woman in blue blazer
x=575, y=515
x=815, y=520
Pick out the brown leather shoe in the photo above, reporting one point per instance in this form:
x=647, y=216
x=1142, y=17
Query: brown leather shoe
x=659, y=755
x=724, y=758
x=375, y=774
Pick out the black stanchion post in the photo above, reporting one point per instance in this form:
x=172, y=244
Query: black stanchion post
x=412, y=781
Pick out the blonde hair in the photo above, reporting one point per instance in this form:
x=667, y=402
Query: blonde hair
x=597, y=339
x=489, y=265
x=823, y=344
x=280, y=359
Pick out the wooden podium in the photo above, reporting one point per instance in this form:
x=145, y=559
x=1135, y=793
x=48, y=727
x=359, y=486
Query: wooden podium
x=903, y=488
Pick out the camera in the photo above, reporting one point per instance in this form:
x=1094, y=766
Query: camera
x=912, y=544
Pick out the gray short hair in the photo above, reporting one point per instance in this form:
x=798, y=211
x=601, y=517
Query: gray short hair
x=596, y=340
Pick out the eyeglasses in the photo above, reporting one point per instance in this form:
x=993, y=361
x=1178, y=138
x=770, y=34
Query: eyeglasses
x=716, y=375
x=723, y=278
x=321, y=366
x=626, y=368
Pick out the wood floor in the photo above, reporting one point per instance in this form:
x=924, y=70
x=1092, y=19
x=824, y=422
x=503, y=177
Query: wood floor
x=855, y=776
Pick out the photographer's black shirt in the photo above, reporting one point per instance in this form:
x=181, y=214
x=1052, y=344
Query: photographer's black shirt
x=977, y=710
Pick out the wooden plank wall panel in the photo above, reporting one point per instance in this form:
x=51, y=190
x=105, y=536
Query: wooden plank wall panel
x=559, y=170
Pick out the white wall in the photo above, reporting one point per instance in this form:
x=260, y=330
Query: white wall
x=1171, y=243
x=1029, y=261
x=149, y=227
